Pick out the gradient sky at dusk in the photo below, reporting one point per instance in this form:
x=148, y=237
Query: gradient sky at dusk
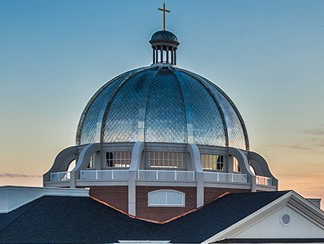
x=268, y=56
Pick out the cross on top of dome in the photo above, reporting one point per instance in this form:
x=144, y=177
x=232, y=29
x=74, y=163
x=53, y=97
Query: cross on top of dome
x=164, y=44
x=164, y=11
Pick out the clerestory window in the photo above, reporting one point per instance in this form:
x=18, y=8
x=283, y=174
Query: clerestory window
x=165, y=160
x=212, y=162
x=118, y=159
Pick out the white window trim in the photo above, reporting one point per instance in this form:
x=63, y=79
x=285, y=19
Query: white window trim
x=183, y=195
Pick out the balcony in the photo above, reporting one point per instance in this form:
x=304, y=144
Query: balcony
x=119, y=175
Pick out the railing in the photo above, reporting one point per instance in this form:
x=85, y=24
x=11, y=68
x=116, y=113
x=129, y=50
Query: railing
x=166, y=175
x=60, y=176
x=225, y=177
x=158, y=175
x=262, y=180
x=112, y=175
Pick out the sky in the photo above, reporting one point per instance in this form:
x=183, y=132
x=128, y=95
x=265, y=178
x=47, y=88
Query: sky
x=268, y=56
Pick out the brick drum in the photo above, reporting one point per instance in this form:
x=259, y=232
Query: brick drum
x=116, y=196
x=210, y=194
x=163, y=213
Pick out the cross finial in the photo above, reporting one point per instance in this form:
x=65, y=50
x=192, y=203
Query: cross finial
x=164, y=10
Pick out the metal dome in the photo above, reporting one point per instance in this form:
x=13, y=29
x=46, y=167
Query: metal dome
x=165, y=36
x=165, y=104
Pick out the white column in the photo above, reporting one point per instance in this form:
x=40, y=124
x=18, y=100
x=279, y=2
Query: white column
x=135, y=164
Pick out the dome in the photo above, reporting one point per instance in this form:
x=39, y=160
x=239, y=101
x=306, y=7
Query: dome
x=163, y=104
x=164, y=36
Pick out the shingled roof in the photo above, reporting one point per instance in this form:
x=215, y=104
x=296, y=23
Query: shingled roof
x=57, y=219
x=273, y=240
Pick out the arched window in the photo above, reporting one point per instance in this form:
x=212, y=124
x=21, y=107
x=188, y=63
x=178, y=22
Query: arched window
x=166, y=198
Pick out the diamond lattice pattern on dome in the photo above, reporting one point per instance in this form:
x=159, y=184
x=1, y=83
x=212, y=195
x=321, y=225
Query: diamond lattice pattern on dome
x=149, y=104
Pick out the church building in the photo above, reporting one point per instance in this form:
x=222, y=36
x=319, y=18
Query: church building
x=161, y=156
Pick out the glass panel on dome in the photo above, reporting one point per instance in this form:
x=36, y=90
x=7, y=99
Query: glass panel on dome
x=165, y=114
x=122, y=117
x=235, y=130
x=91, y=125
x=207, y=121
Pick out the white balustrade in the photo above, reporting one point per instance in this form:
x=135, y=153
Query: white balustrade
x=158, y=175
x=214, y=177
x=60, y=176
x=263, y=180
x=111, y=175
x=165, y=175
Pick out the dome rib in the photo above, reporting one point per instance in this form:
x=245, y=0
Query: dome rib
x=215, y=100
x=143, y=108
x=90, y=103
x=162, y=104
x=103, y=123
x=237, y=112
x=188, y=109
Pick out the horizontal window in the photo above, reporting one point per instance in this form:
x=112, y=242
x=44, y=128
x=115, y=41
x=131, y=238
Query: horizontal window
x=118, y=159
x=166, y=198
x=212, y=162
x=165, y=159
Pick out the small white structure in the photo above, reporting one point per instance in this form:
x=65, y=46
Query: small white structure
x=13, y=197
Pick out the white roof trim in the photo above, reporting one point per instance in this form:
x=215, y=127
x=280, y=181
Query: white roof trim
x=291, y=198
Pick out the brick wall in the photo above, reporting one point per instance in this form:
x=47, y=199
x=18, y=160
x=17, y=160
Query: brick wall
x=116, y=196
x=163, y=213
x=211, y=194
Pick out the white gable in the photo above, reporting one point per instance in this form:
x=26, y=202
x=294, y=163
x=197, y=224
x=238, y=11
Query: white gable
x=272, y=226
x=290, y=216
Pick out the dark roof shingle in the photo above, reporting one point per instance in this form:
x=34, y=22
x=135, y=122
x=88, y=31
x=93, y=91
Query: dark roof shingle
x=55, y=219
